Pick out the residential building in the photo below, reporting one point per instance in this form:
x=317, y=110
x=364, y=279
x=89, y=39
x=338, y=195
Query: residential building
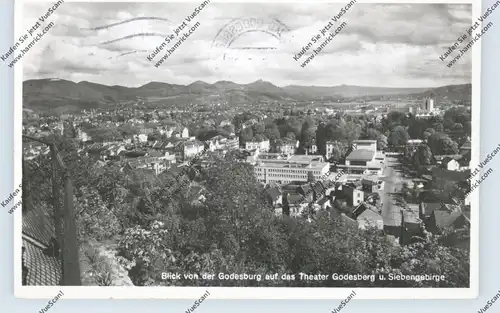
x=313, y=149
x=442, y=219
x=367, y=217
x=353, y=196
x=329, y=147
x=294, y=204
x=287, y=146
x=260, y=145
x=369, y=185
x=274, y=196
x=141, y=138
x=450, y=164
x=187, y=150
x=83, y=136
x=428, y=208
x=152, y=163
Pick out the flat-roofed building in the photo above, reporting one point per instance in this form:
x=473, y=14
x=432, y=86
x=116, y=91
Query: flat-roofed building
x=362, y=162
x=365, y=145
x=360, y=157
x=284, y=169
x=414, y=142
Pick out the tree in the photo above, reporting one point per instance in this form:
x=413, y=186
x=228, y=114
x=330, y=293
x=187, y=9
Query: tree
x=246, y=135
x=338, y=152
x=428, y=132
x=229, y=129
x=258, y=129
x=398, y=136
x=272, y=132
x=468, y=127
x=417, y=128
x=441, y=143
x=234, y=198
x=382, y=142
x=373, y=134
x=290, y=136
x=352, y=131
x=321, y=138
x=103, y=134
x=128, y=130
x=259, y=137
x=423, y=156
x=94, y=219
x=438, y=126
x=394, y=118
x=307, y=135
x=432, y=258
x=293, y=125
x=456, y=116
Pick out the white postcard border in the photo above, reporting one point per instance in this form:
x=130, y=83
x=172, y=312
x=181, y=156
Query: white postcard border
x=135, y=292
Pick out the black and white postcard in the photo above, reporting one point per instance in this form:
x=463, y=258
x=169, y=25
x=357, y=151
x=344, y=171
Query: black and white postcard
x=284, y=149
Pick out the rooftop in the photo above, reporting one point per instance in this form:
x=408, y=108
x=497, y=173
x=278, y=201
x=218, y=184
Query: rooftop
x=446, y=219
x=361, y=155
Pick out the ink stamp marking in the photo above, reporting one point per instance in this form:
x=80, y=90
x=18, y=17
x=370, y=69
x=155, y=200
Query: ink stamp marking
x=229, y=43
x=143, y=27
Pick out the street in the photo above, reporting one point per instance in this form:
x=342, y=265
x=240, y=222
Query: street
x=393, y=183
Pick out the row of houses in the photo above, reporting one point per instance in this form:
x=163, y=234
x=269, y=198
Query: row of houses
x=158, y=155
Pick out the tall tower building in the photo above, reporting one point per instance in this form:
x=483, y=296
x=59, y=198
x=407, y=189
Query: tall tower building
x=429, y=104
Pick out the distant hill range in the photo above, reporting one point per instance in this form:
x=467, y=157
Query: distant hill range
x=64, y=95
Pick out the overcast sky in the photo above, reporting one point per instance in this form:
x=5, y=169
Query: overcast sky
x=395, y=45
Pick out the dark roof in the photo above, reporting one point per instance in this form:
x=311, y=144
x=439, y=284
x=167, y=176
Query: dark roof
x=428, y=207
x=348, y=221
x=295, y=199
x=156, y=154
x=158, y=144
x=431, y=196
x=361, y=154
x=447, y=160
x=440, y=173
x=427, y=177
x=38, y=225
x=135, y=154
x=446, y=219
x=323, y=200
x=319, y=187
x=43, y=269
x=274, y=193
x=359, y=209
x=273, y=184
x=368, y=182
x=466, y=156
x=466, y=145
x=304, y=189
